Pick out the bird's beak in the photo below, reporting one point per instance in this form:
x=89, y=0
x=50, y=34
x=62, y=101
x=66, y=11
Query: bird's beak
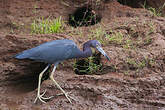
x=102, y=52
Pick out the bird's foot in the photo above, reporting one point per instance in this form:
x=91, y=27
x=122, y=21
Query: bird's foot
x=41, y=98
x=67, y=96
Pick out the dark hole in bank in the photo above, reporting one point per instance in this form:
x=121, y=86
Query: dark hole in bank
x=90, y=65
x=134, y=3
x=84, y=16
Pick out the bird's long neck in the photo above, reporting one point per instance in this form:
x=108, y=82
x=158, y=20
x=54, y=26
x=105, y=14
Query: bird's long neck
x=87, y=52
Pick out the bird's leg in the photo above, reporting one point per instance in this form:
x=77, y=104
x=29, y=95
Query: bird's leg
x=40, y=97
x=58, y=86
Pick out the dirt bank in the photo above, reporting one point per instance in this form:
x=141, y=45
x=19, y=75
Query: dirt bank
x=133, y=79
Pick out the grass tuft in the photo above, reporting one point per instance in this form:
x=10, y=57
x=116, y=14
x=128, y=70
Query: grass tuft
x=154, y=11
x=47, y=26
x=116, y=37
x=99, y=34
x=87, y=66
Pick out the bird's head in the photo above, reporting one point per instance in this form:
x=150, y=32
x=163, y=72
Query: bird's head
x=97, y=45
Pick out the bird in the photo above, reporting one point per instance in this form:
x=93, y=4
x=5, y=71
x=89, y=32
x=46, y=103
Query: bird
x=54, y=52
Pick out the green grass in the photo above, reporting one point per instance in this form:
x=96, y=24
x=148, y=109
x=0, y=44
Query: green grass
x=99, y=34
x=119, y=39
x=92, y=68
x=154, y=11
x=148, y=40
x=113, y=37
x=151, y=27
x=116, y=37
x=142, y=64
x=88, y=66
x=136, y=65
x=128, y=44
x=47, y=26
x=146, y=62
x=35, y=9
x=131, y=61
x=103, y=37
x=157, y=12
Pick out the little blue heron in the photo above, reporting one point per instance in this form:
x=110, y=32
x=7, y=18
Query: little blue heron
x=56, y=51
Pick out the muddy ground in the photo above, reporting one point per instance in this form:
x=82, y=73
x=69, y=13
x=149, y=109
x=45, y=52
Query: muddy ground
x=134, y=79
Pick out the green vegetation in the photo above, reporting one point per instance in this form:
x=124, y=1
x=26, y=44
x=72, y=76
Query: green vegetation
x=35, y=9
x=143, y=42
x=116, y=37
x=154, y=11
x=128, y=37
x=157, y=12
x=131, y=61
x=150, y=62
x=46, y=26
x=113, y=37
x=142, y=64
x=119, y=39
x=76, y=31
x=93, y=67
x=133, y=64
x=87, y=66
x=148, y=40
x=99, y=34
x=128, y=44
x=152, y=27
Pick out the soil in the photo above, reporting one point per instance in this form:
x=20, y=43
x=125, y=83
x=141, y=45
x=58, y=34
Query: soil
x=133, y=79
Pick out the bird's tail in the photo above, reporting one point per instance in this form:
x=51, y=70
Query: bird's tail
x=22, y=55
x=19, y=56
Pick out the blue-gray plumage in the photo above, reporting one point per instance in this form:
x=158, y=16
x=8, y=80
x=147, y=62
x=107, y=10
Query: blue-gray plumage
x=54, y=52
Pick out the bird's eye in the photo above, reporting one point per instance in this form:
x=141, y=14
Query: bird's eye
x=97, y=45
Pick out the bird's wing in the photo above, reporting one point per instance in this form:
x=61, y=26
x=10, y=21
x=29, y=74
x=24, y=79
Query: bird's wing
x=50, y=52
